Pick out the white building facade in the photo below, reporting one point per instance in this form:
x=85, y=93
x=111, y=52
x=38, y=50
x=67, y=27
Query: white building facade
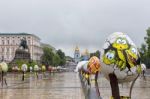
x=9, y=43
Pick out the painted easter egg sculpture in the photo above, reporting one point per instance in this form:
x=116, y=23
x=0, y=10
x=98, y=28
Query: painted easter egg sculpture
x=93, y=65
x=3, y=67
x=3, y=71
x=89, y=69
x=120, y=56
x=36, y=68
x=24, y=67
x=43, y=68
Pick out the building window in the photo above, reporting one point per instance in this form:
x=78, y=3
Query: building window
x=7, y=49
x=8, y=42
x=77, y=55
x=28, y=42
x=13, y=49
x=3, y=42
x=2, y=50
x=13, y=41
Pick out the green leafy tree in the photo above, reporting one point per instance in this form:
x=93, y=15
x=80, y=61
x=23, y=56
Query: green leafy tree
x=47, y=57
x=62, y=57
x=97, y=54
x=147, y=39
x=51, y=58
x=145, y=50
x=56, y=60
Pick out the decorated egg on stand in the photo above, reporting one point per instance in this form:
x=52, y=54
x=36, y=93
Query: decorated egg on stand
x=24, y=67
x=3, y=67
x=43, y=68
x=36, y=68
x=93, y=65
x=120, y=58
x=3, y=72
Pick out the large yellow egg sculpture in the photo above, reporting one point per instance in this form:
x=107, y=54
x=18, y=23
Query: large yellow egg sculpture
x=120, y=56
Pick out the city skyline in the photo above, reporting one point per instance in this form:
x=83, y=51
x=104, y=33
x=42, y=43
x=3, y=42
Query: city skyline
x=67, y=23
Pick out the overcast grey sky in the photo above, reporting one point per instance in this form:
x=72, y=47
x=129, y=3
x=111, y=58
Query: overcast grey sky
x=67, y=23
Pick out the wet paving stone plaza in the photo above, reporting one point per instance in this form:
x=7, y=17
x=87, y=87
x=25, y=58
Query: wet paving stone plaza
x=65, y=85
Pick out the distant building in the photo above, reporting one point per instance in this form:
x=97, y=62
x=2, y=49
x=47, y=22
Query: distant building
x=77, y=55
x=9, y=42
x=85, y=55
x=81, y=56
x=69, y=59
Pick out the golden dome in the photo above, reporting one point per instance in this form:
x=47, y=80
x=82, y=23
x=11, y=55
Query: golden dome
x=77, y=48
x=86, y=52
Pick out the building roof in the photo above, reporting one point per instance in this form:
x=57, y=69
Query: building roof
x=19, y=34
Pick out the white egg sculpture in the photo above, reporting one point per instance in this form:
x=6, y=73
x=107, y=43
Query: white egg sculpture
x=36, y=68
x=24, y=67
x=80, y=65
x=143, y=66
x=121, y=57
x=3, y=67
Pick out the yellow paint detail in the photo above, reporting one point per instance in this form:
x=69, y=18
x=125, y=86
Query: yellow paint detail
x=122, y=62
x=132, y=56
x=120, y=44
x=86, y=76
x=139, y=69
x=109, y=57
x=121, y=97
x=43, y=68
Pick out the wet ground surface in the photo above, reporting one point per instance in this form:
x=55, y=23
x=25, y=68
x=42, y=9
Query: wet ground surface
x=65, y=85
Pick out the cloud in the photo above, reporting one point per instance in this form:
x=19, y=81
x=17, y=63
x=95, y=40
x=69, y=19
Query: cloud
x=67, y=23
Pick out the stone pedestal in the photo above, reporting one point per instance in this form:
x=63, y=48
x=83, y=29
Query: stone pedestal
x=20, y=54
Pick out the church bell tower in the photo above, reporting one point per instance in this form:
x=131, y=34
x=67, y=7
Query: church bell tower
x=77, y=55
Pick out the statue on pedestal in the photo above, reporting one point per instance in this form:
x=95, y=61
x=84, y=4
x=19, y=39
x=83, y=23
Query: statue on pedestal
x=23, y=44
x=22, y=53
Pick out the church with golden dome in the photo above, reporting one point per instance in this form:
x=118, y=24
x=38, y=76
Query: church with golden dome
x=78, y=56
